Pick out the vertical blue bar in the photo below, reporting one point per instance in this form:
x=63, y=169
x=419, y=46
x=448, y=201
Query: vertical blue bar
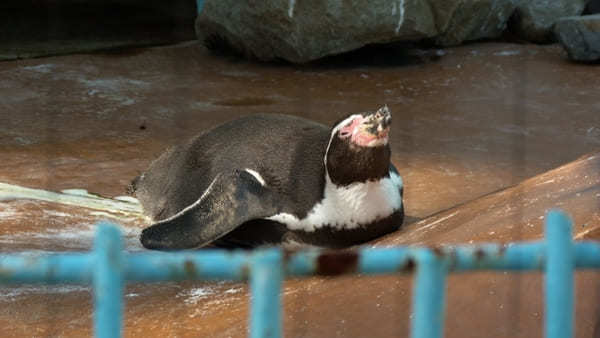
x=199, y=6
x=429, y=289
x=108, y=282
x=559, y=276
x=266, y=275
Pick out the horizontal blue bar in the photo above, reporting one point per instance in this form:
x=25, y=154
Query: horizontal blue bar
x=187, y=265
x=587, y=255
x=54, y=268
x=234, y=265
x=529, y=256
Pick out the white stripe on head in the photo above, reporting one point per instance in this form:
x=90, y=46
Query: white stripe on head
x=256, y=175
x=335, y=130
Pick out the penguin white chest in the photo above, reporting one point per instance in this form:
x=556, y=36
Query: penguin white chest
x=349, y=207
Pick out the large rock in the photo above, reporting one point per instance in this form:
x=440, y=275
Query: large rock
x=302, y=31
x=533, y=19
x=580, y=36
x=466, y=20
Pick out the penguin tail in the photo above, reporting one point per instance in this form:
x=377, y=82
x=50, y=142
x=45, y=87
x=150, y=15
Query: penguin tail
x=133, y=185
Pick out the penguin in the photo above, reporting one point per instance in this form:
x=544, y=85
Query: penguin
x=270, y=179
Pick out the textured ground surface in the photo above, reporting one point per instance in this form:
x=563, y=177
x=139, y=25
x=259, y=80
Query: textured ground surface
x=482, y=118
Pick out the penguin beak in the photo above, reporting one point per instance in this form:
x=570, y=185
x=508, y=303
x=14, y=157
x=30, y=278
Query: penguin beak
x=369, y=130
x=384, y=117
x=378, y=123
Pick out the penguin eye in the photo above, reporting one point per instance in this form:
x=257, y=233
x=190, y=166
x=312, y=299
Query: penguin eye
x=348, y=129
x=344, y=133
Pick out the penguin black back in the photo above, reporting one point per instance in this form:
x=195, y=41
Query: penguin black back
x=274, y=145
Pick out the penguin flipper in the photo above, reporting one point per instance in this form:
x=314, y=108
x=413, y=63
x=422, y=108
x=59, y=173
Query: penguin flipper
x=229, y=201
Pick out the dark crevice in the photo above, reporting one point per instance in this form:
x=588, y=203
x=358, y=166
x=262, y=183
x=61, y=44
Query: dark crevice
x=38, y=28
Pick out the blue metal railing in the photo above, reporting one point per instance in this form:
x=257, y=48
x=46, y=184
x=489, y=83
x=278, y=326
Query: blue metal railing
x=108, y=267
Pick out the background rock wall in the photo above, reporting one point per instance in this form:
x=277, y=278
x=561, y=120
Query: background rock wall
x=304, y=31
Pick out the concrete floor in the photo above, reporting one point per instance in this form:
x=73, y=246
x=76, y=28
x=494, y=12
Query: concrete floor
x=481, y=118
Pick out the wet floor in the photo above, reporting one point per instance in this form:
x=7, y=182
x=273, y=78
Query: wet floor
x=478, y=119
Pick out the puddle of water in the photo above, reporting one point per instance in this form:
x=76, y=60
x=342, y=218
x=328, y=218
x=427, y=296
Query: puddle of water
x=68, y=219
x=75, y=197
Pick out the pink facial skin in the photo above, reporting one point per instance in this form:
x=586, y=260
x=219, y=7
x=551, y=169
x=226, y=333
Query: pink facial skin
x=350, y=129
x=361, y=137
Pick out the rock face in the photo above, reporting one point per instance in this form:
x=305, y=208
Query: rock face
x=466, y=20
x=302, y=31
x=580, y=36
x=533, y=19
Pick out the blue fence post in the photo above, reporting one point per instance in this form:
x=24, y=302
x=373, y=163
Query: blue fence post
x=266, y=275
x=108, y=281
x=559, y=276
x=199, y=6
x=429, y=293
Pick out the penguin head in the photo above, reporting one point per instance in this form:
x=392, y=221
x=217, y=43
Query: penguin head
x=358, y=149
x=369, y=129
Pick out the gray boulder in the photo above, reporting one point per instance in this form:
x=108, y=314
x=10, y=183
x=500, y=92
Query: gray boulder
x=580, y=36
x=466, y=20
x=302, y=31
x=533, y=19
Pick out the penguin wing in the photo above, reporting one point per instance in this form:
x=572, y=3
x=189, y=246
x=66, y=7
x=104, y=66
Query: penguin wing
x=229, y=201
